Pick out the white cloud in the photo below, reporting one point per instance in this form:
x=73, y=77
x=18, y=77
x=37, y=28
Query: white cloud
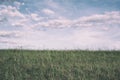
x=100, y=30
x=98, y=20
x=10, y=16
x=14, y=17
x=48, y=11
x=35, y=17
x=9, y=34
x=11, y=12
x=18, y=4
x=55, y=23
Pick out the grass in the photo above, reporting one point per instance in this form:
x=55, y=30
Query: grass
x=59, y=65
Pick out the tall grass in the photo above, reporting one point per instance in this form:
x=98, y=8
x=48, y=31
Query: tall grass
x=59, y=65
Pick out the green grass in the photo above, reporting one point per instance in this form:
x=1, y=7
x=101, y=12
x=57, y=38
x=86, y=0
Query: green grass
x=59, y=65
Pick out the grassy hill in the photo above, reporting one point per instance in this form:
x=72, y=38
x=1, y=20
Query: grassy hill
x=59, y=65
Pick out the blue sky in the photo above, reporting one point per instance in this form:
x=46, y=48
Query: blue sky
x=60, y=24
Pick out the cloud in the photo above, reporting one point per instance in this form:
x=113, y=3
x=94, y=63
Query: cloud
x=95, y=31
x=48, y=11
x=92, y=38
x=12, y=16
x=108, y=19
x=18, y=4
x=9, y=34
x=55, y=23
x=9, y=11
x=10, y=39
x=35, y=17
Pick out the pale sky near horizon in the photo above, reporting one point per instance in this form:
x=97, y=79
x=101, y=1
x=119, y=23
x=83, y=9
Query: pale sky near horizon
x=60, y=24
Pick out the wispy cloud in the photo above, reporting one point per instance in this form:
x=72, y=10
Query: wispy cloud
x=9, y=34
x=97, y=20
x=48, y=11
x=48, y=28
x=11, y=15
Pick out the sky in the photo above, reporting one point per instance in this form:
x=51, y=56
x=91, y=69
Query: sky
x=60, y=24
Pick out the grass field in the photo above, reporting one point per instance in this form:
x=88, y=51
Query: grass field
x=59, y=65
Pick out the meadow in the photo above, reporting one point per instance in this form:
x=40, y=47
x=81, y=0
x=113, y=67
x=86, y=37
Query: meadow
x=59, y=65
